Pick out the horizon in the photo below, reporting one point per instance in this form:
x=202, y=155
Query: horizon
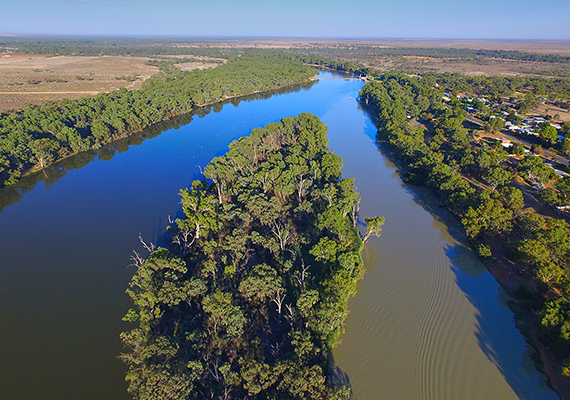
x=407, y=20
x=269, y=37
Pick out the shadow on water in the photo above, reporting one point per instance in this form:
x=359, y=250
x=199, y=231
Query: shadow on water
x=338, y=377
x=53, y=173
x=491, y=325
x=494, y=328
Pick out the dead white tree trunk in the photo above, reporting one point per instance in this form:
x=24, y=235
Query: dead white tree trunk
x=278, y=299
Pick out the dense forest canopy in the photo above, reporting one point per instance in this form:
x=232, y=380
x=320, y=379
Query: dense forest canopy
x=251, y=296
x=39, y=135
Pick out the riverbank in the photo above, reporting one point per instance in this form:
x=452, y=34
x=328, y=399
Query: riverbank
x=313, y=78
x=425, y=344
x=90, y=123
x=507, y=275
x=433, y=157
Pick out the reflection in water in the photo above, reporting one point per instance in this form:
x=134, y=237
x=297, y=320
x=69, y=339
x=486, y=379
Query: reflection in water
x=485, y=295
x=425, y=324
x=58, y=170
x=501, y=350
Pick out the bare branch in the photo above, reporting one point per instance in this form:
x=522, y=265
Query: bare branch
x=276, y=350
x=301, y=276
x=281, y=233
x=150, y=247
x=355, y=212
x=291, y=315
x=279, y=298
x=136, y=260
x=181, y=239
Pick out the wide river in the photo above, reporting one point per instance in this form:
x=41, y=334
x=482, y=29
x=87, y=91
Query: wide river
x=428, y=322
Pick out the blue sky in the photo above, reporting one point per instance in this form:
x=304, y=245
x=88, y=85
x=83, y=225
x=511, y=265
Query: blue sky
x=468, y=19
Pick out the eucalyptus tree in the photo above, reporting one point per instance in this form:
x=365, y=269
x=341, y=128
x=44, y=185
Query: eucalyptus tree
x=252, y=295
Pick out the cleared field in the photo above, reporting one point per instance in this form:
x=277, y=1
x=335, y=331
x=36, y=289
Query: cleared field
x=549, y=109
x=33, y=79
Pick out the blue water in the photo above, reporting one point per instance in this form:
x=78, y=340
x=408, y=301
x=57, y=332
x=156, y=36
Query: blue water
x=423, y=325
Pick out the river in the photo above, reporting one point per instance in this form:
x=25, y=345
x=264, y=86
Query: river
x=428, y=322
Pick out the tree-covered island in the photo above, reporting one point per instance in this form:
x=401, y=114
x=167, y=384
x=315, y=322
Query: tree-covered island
x=252, y=294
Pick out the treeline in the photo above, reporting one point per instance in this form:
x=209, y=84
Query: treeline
x=172, y=46
x=556, y=90
x=361, y=51
x=251, y=297
x=339, y=65
x=473, y=180
x=36, y=136
x=471, y=53
x=147, y=47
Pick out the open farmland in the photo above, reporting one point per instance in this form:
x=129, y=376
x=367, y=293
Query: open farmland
x=33, y=79
x=36, y=78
